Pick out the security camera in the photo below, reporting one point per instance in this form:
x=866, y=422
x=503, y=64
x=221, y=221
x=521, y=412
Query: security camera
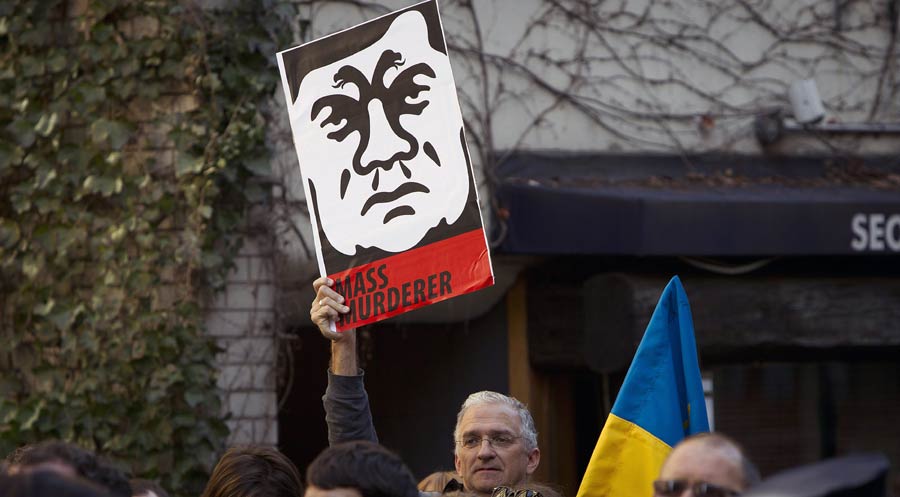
x=805, y=102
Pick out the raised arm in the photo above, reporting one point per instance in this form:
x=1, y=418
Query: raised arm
x=346, y=402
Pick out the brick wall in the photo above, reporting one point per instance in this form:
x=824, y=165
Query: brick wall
x=242, y=320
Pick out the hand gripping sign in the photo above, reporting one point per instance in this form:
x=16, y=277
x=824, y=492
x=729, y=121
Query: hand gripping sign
x=385, y=167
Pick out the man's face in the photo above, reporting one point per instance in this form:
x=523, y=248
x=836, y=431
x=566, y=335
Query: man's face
x=485, y=466
x=696, y=462
x=379, y=138
x=314, y=491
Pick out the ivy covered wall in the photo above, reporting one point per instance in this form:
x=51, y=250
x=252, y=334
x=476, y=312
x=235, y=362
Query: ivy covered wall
x=131, y=145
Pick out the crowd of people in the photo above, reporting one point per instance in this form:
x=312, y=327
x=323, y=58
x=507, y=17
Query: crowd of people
x=496, y=452
x=708, y=465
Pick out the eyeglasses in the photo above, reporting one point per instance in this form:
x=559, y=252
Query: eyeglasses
x=499, y=441
x=674, y=488
x=511, y=492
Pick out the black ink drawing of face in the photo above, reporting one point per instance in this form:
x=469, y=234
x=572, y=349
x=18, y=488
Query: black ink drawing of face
x=378, y=136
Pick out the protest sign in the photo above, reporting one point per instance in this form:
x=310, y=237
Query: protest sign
x=385, y=166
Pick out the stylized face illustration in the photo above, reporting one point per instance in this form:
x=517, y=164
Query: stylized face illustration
x=379, y=137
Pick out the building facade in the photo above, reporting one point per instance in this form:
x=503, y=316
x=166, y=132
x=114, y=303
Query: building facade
x=617, y=144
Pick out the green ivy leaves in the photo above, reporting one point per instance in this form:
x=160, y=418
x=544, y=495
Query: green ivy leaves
x=46, y=124
x=114, y=134
x=9, y=234
x=130, y=141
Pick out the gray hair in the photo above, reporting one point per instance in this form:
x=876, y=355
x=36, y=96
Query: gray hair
x=484, y=397
x=715, y=440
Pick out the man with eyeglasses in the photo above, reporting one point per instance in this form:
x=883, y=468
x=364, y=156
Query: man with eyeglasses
x=496, y=441
x=706, y=465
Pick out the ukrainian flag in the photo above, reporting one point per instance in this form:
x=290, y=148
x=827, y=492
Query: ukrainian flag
x=660, y=402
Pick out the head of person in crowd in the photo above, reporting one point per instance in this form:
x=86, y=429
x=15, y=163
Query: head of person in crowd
x=709, y=464
x=359, y=469
x=254, y=471
x=48, y=483
x=496, y=442
x=70, y=460
x=146, y=488
x=437, y=481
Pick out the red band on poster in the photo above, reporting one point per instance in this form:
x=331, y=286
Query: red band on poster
x=412, y=279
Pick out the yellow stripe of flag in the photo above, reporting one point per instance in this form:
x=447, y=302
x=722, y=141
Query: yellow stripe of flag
x=660, y=402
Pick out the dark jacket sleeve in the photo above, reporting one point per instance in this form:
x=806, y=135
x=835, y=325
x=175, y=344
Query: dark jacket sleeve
x=347, y=411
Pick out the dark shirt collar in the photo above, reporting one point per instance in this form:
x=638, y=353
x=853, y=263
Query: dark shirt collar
x=453, y=486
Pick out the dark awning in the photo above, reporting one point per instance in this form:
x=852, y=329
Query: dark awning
x=713, y=206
